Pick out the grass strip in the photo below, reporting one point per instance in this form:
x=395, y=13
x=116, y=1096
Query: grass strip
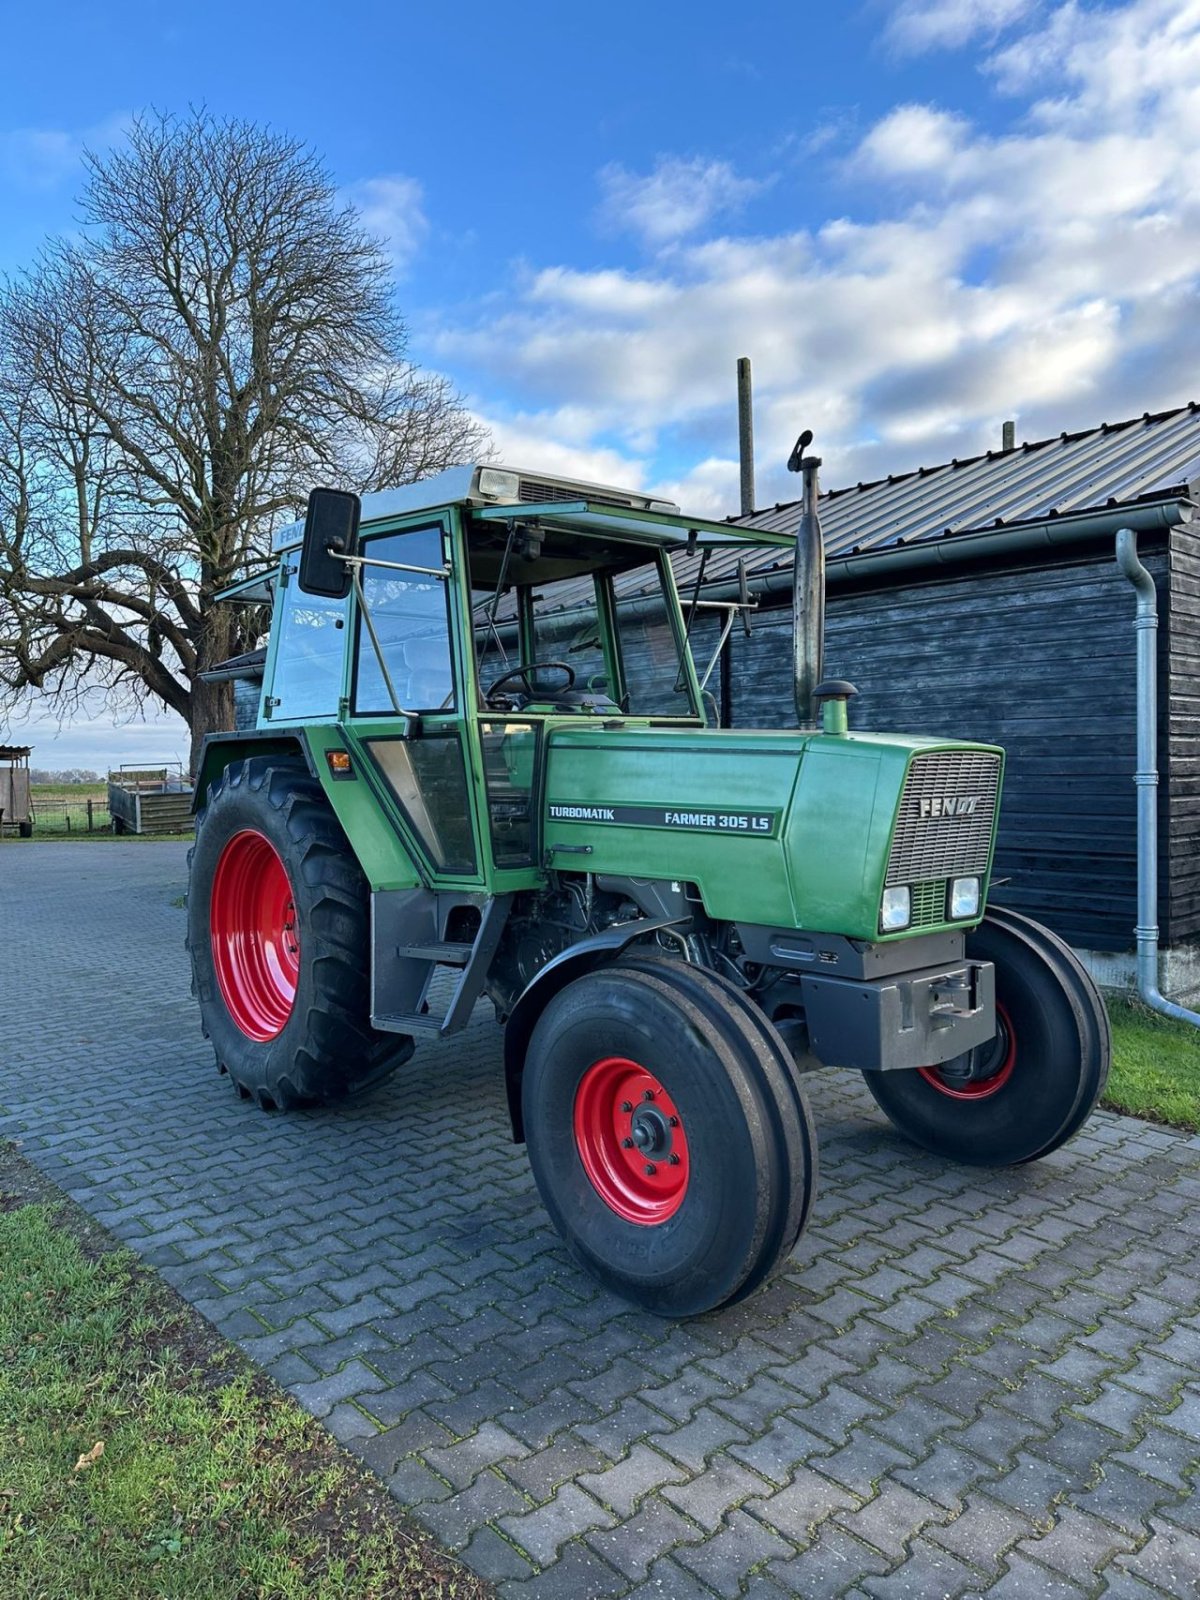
x=143, y=1458
x=1156, y=1066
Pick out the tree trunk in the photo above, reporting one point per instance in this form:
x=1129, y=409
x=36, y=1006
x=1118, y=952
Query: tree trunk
x=211, y=712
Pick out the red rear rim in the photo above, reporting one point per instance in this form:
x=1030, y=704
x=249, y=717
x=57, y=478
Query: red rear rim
x=1002, y=1060
x=631, y=1141
x=255, y=943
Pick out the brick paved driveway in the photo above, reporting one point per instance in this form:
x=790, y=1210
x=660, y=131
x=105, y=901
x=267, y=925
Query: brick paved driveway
x=966, y=1383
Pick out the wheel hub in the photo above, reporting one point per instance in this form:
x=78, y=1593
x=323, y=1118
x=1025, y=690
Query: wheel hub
x=981, y=1072
x=254, y=936
x=630, y=1141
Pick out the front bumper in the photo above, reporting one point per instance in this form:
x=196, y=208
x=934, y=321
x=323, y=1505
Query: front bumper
x=907, y=1019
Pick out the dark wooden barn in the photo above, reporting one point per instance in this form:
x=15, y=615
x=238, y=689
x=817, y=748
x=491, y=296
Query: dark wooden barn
x=981, y=599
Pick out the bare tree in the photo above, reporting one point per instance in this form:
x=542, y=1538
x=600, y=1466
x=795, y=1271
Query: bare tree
x=221, y=337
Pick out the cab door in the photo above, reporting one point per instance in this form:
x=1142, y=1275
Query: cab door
x=406, y=711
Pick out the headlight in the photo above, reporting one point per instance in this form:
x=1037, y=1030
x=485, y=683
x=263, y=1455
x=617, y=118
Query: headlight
x=499, y=485
x=896, y=911
x=964, y=898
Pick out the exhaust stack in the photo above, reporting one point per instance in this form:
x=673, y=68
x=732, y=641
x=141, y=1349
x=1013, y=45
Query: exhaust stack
x=808, y=588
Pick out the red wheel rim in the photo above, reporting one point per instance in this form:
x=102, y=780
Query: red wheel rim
x=255, y=942
x=631, y=1142
x=980, y=1088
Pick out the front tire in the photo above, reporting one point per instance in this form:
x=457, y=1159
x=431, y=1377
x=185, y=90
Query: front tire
x=1028, y=1091
x=279, y=937
x=668, y=1136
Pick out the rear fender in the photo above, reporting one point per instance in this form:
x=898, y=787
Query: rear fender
x=221, y=750
x=555, y=975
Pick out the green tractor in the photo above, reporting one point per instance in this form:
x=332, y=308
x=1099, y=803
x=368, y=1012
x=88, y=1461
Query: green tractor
x=485, y=765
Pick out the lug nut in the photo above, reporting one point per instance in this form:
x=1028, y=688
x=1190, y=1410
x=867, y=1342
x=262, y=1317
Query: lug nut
x=626, y=1105
x=627, y=1144
x=674, y=1121
x=649, y=1095
x=650, y=1169
x=674, y=1160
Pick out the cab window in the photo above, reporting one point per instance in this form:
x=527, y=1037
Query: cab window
x=412, y=624
x=307, y=676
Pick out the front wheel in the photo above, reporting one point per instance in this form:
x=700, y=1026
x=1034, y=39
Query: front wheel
x=668, y=1135
x=279, y=936
x=1030, y=1088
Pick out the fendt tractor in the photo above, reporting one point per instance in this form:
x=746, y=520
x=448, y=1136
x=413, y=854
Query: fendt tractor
x=485, y=765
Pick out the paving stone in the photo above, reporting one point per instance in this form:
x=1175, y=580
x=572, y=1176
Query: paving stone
x=830, y=1565
x=1172, y=1458
x=982, y=1532
x=929, y=1572
x=1025, y=1580
x=634, y=1544
x=1077, y=1545
x=802, y=1505
x=723, y=1560
x=460, y=1464
x=709, y=1495
x=1170, y=1560
x=542, y=1532
x=624, y=1484
x=456, y=1517
x=890, y=1520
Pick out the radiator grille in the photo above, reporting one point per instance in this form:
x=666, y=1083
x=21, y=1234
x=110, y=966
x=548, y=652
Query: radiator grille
x=947, y=814
x=928, y=904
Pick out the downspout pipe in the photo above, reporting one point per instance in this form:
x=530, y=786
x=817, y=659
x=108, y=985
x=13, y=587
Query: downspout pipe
x=1146, y=779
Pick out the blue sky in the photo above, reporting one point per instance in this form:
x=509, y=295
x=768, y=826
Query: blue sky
x=918, y=217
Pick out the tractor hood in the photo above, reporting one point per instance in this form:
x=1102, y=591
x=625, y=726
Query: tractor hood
x=799, y=830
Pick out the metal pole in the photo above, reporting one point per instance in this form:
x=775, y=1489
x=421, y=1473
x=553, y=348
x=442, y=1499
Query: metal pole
x=745, y=395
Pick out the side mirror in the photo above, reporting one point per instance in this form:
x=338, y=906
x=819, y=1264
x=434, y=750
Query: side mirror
x=330, y=531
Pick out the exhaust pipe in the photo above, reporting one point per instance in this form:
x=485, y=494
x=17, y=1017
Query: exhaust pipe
x=808, y=588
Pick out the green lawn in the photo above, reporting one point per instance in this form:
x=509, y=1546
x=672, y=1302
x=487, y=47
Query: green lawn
x=142, y=1459
x=1156, y=1066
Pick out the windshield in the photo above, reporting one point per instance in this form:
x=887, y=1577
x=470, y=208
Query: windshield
x=594, y=627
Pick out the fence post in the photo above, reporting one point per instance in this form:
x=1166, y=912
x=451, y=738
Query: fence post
x=89, y=816
x=67, y=814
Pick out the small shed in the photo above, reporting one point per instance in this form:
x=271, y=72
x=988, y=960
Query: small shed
x=16, y=796
x=980, y=599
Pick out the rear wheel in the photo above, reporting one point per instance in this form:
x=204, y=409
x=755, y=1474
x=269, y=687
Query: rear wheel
x=668, y=1136
x=1028, y=1090
x=278, y=932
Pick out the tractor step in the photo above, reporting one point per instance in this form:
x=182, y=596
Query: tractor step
x=405, y=960
x=445, y=952
x=420, y=1022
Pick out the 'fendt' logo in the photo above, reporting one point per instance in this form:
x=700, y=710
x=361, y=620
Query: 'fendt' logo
x=950, y=805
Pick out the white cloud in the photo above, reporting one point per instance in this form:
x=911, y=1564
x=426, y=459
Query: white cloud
x=920, y=25
x=44, y=158
x=678, y=198
x=392, y=207
x=1049, y=271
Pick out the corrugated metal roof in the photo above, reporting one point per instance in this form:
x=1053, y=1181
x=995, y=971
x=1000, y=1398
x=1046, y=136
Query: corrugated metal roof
x=1151, y=457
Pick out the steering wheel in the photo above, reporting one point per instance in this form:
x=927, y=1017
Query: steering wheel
x=525, y=674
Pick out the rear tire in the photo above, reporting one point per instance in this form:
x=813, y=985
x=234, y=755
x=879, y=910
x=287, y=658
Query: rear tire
x=1044, y=1072
x=678, y=1217
x=279, y=937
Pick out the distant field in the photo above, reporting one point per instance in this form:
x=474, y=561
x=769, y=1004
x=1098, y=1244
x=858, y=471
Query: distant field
x=60, y=809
